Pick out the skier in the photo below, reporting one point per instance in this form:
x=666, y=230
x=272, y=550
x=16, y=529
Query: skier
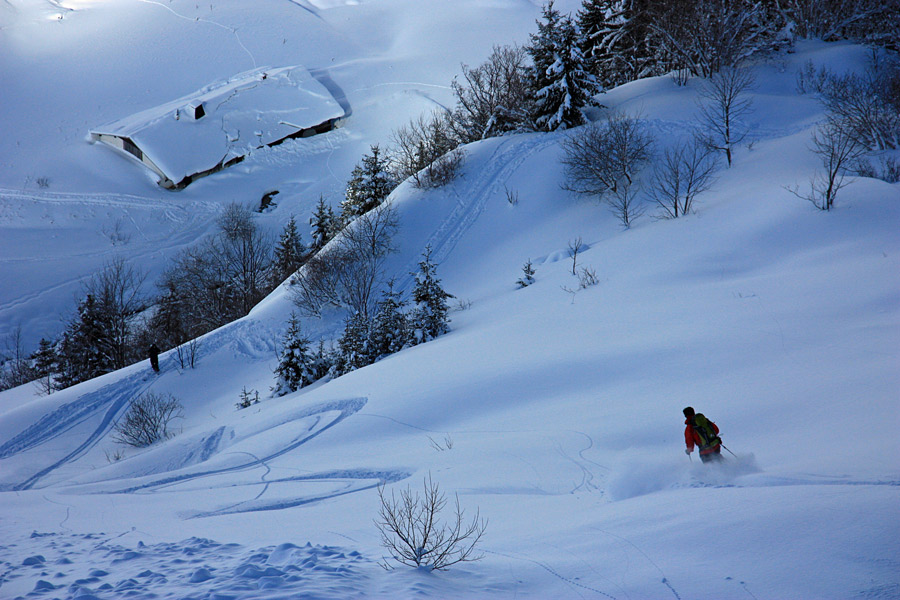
x=704, y=433
x=154, y=357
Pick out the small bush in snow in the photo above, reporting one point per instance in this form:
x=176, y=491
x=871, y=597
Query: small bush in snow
x=528, y=275
x=414, y=534
x=248, y=398
x=147, y=420
x=423, y=150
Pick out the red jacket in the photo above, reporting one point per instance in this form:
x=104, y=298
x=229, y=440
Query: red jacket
x=691, y=438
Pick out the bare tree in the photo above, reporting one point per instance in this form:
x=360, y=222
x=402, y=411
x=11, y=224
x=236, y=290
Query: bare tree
x=831, y=19
x=368, y=241
x=214, y=282
x=349, y=271
x=684, y=171
x=15, y=369
x=603, y=160
x=725, y=108
x=625, y=204
x=706, y=36
x=147, y=420
x=245, y=255
x=868, y=104
x=836, y=145
x=575, y=246
x=423, y=150
x=494, y=97
x=414, y=536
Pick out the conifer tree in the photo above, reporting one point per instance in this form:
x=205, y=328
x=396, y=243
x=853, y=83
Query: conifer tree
x=289, y=252
x=430, y=315
x=324, y=361
x=561, y=83
x=619, y=41
x=44, y=362
x=295, y=364
x=81, y=347
x=370, y=183
x=390, y=328
x=353, y=345
x=528, y=275
x=324, y=225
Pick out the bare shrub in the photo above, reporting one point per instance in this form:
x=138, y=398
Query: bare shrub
x=187, y=353
x=603, y=160
x=147, y=420
x=414, y=535
x=587, y=277
x=442, y=170
x=417, y=145
x=442, y=445
x=885, y=168
x=683, y=172
x=512, y=196
x=811, y=80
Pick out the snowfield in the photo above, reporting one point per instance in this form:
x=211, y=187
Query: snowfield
x=553, y=411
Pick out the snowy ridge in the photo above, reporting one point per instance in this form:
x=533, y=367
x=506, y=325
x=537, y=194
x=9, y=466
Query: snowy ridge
x=553, y=410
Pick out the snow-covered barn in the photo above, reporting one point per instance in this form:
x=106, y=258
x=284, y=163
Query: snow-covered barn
x=221, y=124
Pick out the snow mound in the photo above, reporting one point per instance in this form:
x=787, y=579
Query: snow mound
x=86, y=566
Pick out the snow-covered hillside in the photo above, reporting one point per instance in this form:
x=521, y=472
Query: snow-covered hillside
x=555, y=413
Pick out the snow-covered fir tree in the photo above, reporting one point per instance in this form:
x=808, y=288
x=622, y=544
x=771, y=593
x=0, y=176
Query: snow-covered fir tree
x=562, y=85
x=370, y=183
x=324, y=362
x=390, y=327
x=429, y=319
x=324, y=224
x=289, y=252
x=354, y=344
x=81, y=348
x=619, y=42
x=295, y=364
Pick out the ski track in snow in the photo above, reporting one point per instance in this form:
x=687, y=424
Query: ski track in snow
x=110, y=400
x=473, y=196
x=114, y=397
x=93, y=567
x=553, y=572
x=186, y=219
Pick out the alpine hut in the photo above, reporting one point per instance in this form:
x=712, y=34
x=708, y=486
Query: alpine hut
x=218, y=126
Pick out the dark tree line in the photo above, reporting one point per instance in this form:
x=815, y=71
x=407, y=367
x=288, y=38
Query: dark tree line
x=117, y=319
x=390, y=326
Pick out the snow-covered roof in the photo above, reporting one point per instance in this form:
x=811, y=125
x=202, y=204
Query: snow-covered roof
x=227, y=120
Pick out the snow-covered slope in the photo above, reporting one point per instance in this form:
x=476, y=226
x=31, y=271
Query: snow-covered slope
x=69, y=67
x=557, y=415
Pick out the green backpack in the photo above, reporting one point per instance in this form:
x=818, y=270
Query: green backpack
x=706, y=432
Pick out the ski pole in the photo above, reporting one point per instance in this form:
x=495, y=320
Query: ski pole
x=729, y=451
